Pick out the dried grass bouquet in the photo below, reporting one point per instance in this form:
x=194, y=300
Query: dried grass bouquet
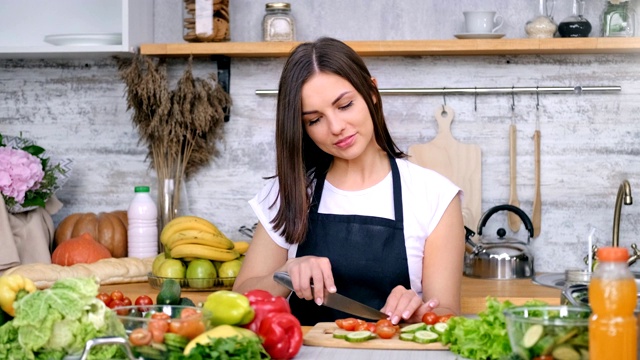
x=180, y=127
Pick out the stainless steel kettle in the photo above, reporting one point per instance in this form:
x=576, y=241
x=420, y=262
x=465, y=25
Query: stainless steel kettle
x=499, y=258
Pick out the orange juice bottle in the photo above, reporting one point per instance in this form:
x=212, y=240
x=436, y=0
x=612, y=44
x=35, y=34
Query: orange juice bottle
x=612, y=296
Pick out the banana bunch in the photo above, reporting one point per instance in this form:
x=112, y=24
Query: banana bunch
x=194, y=237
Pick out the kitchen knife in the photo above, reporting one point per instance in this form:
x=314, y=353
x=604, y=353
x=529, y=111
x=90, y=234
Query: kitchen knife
x=336, y=301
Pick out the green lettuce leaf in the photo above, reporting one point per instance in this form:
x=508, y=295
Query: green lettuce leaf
x=481, y=338
x=58, y=321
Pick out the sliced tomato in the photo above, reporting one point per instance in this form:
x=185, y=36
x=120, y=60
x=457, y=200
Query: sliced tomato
x=140, y=336
x=365, y=326
x=349, y=324
x=386, y=322
x=385, y=332
x=188, y=327
x=158, y=328
x=430, y=318
x=444, y=318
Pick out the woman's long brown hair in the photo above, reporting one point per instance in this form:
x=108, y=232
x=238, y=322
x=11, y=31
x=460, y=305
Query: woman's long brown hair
x=298, y=158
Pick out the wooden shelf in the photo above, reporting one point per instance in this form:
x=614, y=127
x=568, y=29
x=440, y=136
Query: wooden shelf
x=410, y=47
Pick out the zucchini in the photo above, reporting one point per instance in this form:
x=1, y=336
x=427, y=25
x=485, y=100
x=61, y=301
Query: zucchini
x=532, y=335
x=169, y=293
x=359, y=336
x=425, y=337
x=413, y=328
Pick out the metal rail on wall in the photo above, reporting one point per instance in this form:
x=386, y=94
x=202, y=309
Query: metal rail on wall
x=485, y=90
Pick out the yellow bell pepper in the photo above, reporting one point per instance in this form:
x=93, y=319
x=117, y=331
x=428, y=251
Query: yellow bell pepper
x=12, y=288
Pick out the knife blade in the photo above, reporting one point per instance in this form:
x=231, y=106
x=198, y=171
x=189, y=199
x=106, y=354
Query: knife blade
x=336, y=301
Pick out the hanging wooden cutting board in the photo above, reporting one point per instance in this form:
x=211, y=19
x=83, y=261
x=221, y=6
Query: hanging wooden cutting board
x=460, y=162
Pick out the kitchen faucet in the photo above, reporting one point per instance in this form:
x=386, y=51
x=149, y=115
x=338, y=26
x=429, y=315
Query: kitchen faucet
x=623, y=197
x=624, y=192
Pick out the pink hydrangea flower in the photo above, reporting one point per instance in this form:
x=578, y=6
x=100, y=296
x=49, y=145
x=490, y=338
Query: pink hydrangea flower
x=19, y=173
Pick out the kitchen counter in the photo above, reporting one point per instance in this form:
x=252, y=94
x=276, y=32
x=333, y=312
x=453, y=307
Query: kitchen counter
x=474, y=292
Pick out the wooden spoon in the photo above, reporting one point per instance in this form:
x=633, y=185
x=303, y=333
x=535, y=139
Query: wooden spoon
x=536, y=219
x=513, y=219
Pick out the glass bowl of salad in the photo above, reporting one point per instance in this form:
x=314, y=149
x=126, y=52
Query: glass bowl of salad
x=156, y=331
x=559, y=332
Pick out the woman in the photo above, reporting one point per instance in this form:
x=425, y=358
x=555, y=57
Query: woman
x=346, y=211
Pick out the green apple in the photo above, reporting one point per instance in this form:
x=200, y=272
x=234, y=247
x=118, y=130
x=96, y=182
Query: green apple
x=201, y=274
x=172, y=268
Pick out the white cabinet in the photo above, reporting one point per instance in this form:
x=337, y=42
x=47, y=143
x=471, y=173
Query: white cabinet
x=67, y=28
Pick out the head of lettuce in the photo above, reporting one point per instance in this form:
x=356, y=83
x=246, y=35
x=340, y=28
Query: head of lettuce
x=53, y=323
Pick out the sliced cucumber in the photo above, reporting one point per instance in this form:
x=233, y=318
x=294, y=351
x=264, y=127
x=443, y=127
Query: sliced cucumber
x=359, y=336
x=544, y=346
x=413, y=328
x=407, y=336
x=532, y=335
x=341, y=334
x=565, y=352
x=425, y=337
x=440, y=328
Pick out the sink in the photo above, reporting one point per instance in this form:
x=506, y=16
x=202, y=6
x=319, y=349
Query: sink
x=557, y=280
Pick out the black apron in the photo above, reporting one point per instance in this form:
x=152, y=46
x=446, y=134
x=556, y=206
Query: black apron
x=368, y=254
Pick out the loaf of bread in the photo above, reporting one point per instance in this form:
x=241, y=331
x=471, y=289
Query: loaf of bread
x=107, y=271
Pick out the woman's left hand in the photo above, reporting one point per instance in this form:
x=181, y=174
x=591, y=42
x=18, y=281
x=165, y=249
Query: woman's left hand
x=405, y=305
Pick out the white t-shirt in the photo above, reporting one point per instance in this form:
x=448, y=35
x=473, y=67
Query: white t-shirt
x=425, y=196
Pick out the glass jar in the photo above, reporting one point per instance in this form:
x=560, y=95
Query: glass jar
x=206, y=20
x=278, y=24
x=618, y=19
x=542, y=26
x=575, y=25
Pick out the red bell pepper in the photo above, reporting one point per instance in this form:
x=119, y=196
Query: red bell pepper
x=281, y=334
x=264, y=303
x=279, y=330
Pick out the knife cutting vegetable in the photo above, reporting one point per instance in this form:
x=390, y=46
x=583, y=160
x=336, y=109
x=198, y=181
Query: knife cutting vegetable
x=336, y=301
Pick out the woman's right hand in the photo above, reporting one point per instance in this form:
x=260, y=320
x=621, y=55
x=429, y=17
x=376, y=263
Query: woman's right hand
x=307, y=271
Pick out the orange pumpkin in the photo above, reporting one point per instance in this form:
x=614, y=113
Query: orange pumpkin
x=107, y=228
x=83, y=249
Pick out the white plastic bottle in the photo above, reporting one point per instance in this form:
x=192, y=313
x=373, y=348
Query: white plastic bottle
x=143, y=225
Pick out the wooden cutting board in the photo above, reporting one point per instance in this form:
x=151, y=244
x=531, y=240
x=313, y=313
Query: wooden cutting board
x=460, y=162
x=322, y=335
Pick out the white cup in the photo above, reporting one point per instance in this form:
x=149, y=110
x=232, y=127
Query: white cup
x=482, y=22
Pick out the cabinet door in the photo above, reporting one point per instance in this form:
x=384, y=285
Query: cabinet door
x=44, y=28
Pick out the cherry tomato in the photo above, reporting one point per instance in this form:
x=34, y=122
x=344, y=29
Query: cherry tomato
x=126, y=301
x=430, y=318
x=116, y=305
x=444, y=318
x=143, y=302
x=117, y=295
x=104, y=297
x=385, y=332
x=340, y=323
x=140, y=336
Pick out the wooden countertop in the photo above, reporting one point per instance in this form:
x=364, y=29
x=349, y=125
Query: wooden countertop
x=474, y=292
